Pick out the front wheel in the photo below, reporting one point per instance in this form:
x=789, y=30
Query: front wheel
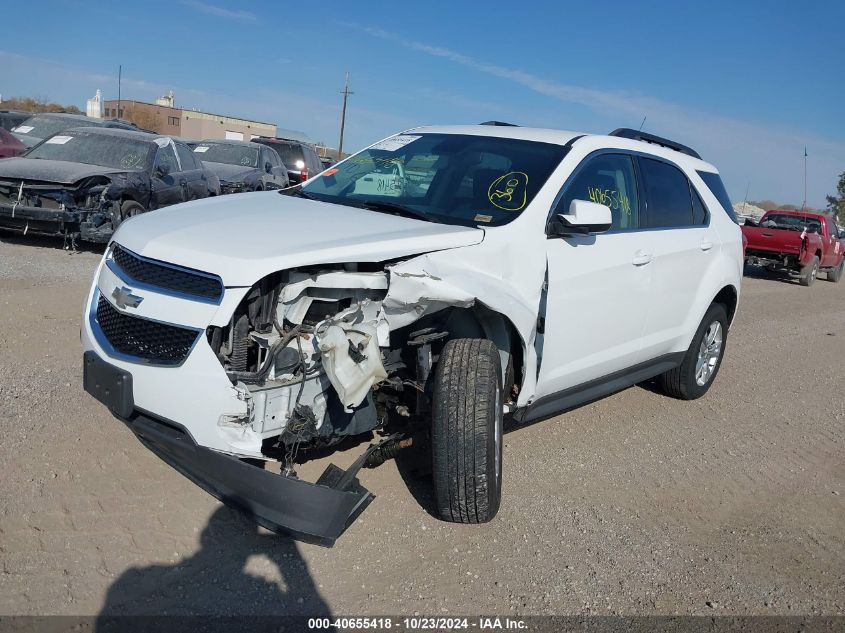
x=129, y=209
x=809, y=272
x=466, y=434
x=693, y=377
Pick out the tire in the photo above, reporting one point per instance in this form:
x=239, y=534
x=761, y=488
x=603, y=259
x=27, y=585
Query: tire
x=809, y=272
x=129, y=209
x=684, y=381
x=466, y=435
x=836, y=274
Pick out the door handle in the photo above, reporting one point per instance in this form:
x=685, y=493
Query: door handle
x=641, y=259
x=706, y=246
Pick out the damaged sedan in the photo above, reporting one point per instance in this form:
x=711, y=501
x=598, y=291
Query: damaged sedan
x=242, y=166
x=84, y=182
x=411, y=295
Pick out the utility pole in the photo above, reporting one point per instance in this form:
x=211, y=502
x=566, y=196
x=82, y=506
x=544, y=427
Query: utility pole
x=804, y=206
x=119, y=77
x=345, y=94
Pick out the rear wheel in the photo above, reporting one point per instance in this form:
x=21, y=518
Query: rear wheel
x=835, y=274
x=693, y=377
x=809, y=272
x=466, y=437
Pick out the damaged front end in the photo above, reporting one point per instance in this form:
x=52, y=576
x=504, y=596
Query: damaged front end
x=303, y=361
x=84, y=209
x=323, y=354
x=306, y=350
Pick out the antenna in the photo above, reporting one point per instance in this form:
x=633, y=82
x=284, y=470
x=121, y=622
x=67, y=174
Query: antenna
x=345, y=92
x=804, y=206
x=642, y=124
x=119, y=77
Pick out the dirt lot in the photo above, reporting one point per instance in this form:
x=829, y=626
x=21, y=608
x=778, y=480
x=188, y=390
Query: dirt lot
x=733, y=504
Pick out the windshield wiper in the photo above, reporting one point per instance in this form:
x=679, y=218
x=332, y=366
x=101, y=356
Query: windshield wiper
x=396, y=209
x=296, y=190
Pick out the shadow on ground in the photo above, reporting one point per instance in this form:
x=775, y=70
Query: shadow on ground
x=216, y=580
x=55, y=243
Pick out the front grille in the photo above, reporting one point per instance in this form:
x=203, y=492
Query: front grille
x=160, y=275
x=145, y=340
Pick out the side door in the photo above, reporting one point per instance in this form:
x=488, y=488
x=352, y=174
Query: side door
x=279, y=173
x=193, y=175
x=598, y=286
x=166, y=178
x=683, y=246
x=266, y=167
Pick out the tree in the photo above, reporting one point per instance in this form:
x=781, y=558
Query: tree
x=836, y=204
x=766, y=204
x=36, y=105
x=141, y=117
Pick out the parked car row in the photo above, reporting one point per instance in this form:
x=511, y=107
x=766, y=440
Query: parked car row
x=78, y=177
x=85, y=181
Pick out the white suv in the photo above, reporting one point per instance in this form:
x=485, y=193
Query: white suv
x=419, y=291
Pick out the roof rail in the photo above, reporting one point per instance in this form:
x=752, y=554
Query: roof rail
x=499, y=123
x=636, y=135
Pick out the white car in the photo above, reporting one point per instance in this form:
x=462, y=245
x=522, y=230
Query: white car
x=419, y=291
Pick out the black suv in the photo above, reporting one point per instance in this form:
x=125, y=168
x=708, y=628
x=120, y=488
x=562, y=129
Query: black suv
x=299, y=157
x=12, y=118
x=40, y=126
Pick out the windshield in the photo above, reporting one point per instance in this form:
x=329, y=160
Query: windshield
x=448, y=178
x=44, y=126
x=791, y=222
x=228, y=154
x=92, y=148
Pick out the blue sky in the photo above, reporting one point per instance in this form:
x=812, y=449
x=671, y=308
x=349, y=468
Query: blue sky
x=746, y=84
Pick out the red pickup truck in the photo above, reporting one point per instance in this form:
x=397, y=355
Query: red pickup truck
x=796, y=241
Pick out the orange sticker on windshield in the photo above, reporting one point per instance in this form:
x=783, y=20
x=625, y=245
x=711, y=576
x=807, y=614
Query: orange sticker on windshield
x=330, y=172
x=509, y=192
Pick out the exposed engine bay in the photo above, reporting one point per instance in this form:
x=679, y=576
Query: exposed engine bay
x=312, y=353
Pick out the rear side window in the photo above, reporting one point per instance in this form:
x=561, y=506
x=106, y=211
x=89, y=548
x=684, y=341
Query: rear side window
x=607, y=179
x=667, y=193
x=186, y=157
x=699, y=211
x=717, y=188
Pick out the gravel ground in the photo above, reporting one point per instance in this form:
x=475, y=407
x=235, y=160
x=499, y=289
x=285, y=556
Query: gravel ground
x=636, y=504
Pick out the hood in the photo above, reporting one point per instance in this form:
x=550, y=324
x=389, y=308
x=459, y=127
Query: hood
x=37, y=169
x=230, y=173
x=245, y=237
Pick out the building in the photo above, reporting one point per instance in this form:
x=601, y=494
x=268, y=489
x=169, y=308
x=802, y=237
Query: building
x=163, y=117
x=149, y=116
x=94, y=107
x=202, y=125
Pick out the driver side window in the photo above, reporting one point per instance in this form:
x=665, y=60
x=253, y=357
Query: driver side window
x=166, y=156
x=607, y=179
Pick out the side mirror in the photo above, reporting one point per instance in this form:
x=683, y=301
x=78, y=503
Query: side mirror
x=584, y=217
x=162, y=169
x=268, y=167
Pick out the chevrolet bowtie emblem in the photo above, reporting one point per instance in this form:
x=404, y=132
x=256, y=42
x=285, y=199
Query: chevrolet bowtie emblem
x=123, y=298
